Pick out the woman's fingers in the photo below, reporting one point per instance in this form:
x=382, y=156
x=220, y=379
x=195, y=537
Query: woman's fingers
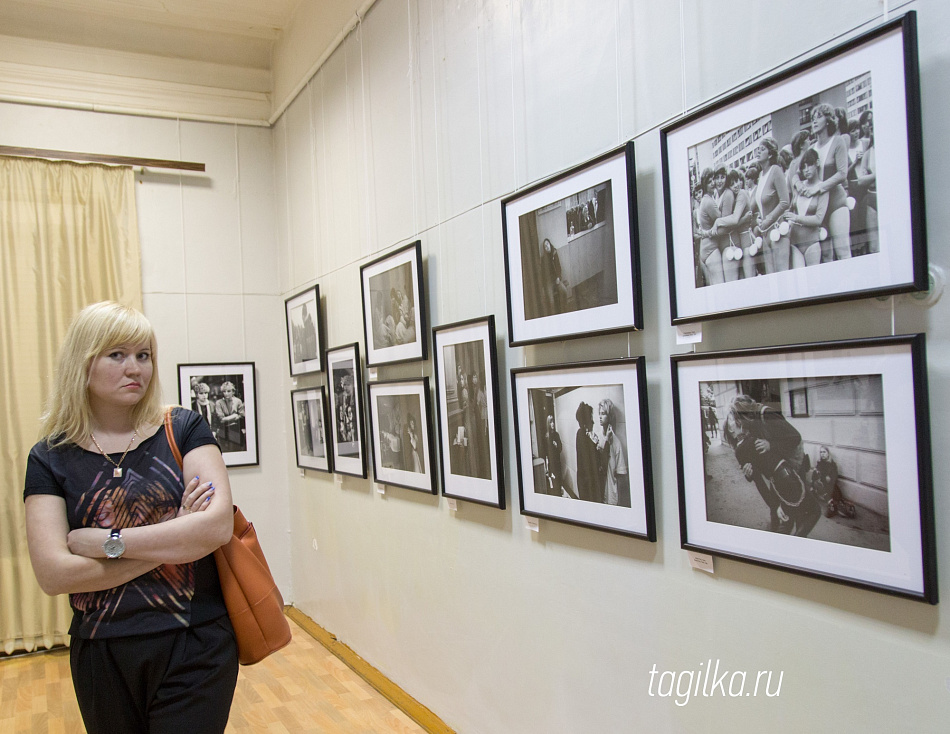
x=196, y=495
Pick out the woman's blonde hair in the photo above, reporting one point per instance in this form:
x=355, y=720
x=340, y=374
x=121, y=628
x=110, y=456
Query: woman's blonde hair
x=97, y=328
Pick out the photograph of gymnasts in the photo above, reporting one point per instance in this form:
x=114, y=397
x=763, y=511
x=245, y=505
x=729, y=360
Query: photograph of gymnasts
x=808, y=205
x=802, y=188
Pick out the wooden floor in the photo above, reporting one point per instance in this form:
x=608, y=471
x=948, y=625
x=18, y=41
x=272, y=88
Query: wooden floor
x=303, y=688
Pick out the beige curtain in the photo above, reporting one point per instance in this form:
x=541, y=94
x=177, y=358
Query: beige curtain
x=68, y=237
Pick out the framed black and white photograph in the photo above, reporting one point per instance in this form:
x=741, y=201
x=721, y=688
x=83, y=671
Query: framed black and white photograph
x=402, y=437
x=310, y=424
x=345, y=378
x=804, y=188
x=583, y=445
x=394, y=314
x=837, y=485
x=469, y=413
x=572, y=263
x=304, y=331
x=225, y=395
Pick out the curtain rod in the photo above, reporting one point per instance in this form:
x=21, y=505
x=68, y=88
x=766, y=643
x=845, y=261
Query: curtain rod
x=118, y=160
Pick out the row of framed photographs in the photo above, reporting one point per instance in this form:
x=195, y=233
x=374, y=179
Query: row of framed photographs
x=810, y=458
x=804, y=188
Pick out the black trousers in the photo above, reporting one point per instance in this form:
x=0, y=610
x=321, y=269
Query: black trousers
x=165, y=683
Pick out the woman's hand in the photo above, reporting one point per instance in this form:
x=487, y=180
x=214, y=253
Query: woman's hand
x=762, y=446
x=747, y=472
x=196, y=497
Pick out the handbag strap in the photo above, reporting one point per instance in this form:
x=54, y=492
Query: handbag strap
x=170, y=435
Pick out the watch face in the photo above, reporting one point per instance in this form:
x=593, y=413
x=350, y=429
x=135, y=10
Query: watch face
x=114, y=546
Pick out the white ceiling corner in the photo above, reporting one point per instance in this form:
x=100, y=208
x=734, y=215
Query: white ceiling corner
x=220, y=60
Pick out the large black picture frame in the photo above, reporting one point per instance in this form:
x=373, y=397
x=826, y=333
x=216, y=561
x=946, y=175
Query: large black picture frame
x=844, y=493
x=871, y=237
x=572, y=472
x=588, y=281
x=469, y=411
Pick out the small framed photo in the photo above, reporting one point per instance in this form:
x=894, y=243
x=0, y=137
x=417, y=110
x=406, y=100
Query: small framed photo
x=583, y=445
x=310, y=422
x=304, y=331
x=836, y=486
x=572, y=263
x=394, y=313
x=804, y=188
x=469, y=411
x=225, y=395
x=402, y=436
x=345, y=377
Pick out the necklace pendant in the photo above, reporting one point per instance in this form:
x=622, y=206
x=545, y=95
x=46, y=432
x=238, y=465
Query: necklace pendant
x=117, y=472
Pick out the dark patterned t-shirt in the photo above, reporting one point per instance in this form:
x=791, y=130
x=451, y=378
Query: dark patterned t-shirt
x=150, y=490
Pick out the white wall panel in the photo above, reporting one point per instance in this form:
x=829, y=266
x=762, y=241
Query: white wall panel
x=262, y=491
x=463, y=290
x=80, y=131
x=360, y=143
x=282, y=206
x=217, y=328
x=651, y=72
x=458, y=89
x=566, y=54
x=387, y=59
x=257, y=208
x=213, y=262
x=496, y=99
x=728, y=43
x=158, y=196
x=302, y=232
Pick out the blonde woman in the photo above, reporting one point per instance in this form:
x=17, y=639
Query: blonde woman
x=111, y=521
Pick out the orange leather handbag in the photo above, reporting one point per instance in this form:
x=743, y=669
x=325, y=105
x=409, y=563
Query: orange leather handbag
x=254, y=603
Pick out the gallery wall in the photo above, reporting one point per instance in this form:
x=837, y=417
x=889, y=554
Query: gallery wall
x=425, y=118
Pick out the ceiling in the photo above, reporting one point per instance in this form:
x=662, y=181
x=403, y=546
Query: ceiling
x=234, y=60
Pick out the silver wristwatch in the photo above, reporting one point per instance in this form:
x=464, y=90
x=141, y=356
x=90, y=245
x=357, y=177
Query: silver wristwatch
x=114, y=546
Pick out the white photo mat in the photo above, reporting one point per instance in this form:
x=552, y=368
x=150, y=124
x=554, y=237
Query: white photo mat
x=634, y=520
x=883, y=57
x=576, y=323
x=300, y=400
x=249, y=456
x=348, y=457
x=486, y=491
x=901, y=567
x=419, y=389
x=310, y=299
x=415, y=350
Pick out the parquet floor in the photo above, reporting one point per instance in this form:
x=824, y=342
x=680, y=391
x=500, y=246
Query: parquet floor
x=302, y=688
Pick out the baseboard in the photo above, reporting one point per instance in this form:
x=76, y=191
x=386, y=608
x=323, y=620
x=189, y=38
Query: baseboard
x=406, y=703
